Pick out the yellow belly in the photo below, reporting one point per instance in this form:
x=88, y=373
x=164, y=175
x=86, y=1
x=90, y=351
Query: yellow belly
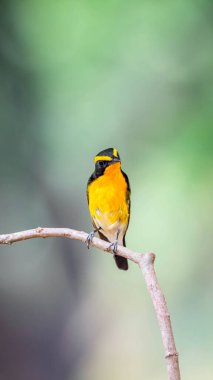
x=107, y=202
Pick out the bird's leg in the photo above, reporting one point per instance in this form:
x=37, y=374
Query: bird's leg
x=91, y=236
x=114, y=245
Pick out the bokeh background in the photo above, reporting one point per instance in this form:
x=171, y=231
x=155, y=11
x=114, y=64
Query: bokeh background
x=77, y=77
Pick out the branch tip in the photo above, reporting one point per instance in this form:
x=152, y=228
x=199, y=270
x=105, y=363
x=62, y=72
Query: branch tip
x=146, y=259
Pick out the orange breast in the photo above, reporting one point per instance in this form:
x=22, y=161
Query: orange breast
x=107, y=196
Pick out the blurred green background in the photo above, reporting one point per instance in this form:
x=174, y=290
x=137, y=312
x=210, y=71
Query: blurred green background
x=77, y=77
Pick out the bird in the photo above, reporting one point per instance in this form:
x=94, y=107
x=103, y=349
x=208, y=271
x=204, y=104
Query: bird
x=108, y=196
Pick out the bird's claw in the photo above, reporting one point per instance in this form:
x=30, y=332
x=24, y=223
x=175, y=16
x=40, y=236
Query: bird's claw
x=89, y=238
x=113, y=247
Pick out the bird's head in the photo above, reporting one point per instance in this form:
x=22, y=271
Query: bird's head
x=104, y=159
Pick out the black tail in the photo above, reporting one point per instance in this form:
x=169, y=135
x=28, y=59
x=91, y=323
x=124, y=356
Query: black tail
x=121, y=262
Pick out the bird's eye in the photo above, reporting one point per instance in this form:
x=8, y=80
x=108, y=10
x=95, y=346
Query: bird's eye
x=101, y=163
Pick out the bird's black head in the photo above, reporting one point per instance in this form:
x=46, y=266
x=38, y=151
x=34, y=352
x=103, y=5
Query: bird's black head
x=105, y=158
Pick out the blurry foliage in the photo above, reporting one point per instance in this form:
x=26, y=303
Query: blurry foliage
x=77, y=77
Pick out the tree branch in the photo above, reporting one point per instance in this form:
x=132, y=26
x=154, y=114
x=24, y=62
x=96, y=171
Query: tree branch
x=146, y=264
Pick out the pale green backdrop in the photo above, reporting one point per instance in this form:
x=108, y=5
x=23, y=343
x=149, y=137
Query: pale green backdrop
x=77, y=77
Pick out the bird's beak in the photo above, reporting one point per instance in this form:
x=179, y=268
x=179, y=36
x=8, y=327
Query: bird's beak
x=114, y=160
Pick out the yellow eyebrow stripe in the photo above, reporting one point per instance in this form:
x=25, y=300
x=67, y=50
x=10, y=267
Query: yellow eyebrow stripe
x=102, y=158
x=115, y=152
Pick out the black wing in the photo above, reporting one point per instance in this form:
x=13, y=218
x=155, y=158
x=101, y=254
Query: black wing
x=128, y=202
x=90, y=180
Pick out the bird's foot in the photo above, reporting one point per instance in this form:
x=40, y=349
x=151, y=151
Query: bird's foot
x=113, y=247
x=89, y=238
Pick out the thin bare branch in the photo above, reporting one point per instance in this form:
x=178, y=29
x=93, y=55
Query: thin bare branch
x=146, y=264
